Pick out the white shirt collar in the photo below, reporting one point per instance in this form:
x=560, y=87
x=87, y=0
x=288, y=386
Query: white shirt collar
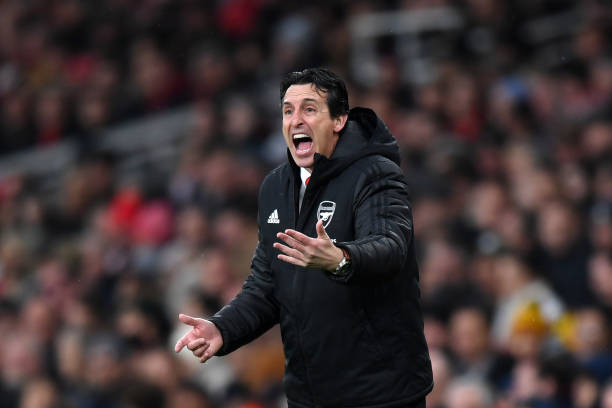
x=304, y=174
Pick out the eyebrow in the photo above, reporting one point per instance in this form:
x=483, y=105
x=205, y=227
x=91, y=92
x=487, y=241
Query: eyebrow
x=303, y=100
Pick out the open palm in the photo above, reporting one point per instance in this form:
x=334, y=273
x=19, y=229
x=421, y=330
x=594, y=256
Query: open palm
x=204, y=339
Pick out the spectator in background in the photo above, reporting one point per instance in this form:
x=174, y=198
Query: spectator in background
x=189, y=395
x=592, y=346
x=600, y=227
x=442, y=375
x=16, y=128
x=22, y=360
x=156, y=84
x=600, y=279
x=564, y=252
x=14, y=263
x=606, y=395
x=103, y=372
x=443, y=263
x=516, y=286
x=51, y=116
x=465, y=392
x=40, y=393
x=556, y=373
x=470, y=346
x=585, y=391
x=529, y=335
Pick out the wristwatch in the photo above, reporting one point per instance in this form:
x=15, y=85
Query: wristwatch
x=344, y=265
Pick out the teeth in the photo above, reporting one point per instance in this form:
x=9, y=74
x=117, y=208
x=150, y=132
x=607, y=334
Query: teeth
x=300, y=136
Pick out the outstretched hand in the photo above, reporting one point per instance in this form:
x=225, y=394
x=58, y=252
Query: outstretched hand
x=302, y=250
x=204, y=339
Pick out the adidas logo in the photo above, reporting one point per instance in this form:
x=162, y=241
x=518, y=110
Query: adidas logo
x=273, y=218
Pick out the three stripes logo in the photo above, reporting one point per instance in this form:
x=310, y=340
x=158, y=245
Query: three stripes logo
x=273, y=218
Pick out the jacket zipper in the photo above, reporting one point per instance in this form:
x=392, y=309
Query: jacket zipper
x=296, y=218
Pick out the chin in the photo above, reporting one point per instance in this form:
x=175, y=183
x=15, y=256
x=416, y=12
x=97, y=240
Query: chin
x=304, y=162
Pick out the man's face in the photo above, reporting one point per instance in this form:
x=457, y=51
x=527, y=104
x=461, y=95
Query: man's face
x=308, y=127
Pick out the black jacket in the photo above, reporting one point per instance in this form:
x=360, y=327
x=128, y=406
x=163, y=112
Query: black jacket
x=351, y=342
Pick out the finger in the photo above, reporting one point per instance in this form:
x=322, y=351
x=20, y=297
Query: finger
x=294, y=253
x=200, y=350
x=181, y=343
x=291, y=260
x=205, y=356
x=188, y=320
x=194, y=344
x=321, y=233
x=298, y=236
x=293, y=243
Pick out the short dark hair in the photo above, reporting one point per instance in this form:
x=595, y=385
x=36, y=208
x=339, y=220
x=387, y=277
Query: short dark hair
x=323, y=80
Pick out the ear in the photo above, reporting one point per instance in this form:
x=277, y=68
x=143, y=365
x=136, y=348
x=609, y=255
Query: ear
x=339, y=122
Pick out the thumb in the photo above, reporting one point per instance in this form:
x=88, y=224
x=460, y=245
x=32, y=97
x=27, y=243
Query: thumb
x=188, y=320
x=321, y=230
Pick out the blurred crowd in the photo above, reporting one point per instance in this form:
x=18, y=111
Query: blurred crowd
x=507, y=146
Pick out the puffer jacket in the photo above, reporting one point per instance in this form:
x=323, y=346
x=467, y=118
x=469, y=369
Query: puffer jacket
x=355, y=341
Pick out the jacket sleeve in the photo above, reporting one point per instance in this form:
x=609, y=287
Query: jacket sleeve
x=383, y=227
x=253, y=311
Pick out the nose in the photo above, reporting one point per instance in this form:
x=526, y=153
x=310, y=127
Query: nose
x=296, y=119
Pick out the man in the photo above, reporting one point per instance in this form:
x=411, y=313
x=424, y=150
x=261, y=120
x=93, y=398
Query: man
x=335, y=262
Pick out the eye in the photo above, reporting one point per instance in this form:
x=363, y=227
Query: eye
x=310, y=109
x=287, y=112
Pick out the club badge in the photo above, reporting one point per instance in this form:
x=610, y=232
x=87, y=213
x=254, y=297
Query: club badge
x=325, y=212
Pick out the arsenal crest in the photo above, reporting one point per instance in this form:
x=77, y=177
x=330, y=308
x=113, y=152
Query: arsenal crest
x=325, y=212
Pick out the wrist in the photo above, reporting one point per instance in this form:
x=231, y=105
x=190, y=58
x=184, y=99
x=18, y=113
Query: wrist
x=344, y=265
x=337, y=259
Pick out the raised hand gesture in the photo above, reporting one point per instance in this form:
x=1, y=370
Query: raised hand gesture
x=302, y=250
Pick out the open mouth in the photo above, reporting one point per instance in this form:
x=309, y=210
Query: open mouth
x=302, y=143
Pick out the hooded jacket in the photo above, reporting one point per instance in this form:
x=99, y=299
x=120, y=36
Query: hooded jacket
x=354, y=341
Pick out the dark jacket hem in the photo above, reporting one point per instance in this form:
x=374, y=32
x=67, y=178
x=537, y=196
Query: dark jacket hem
x=388, y=404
